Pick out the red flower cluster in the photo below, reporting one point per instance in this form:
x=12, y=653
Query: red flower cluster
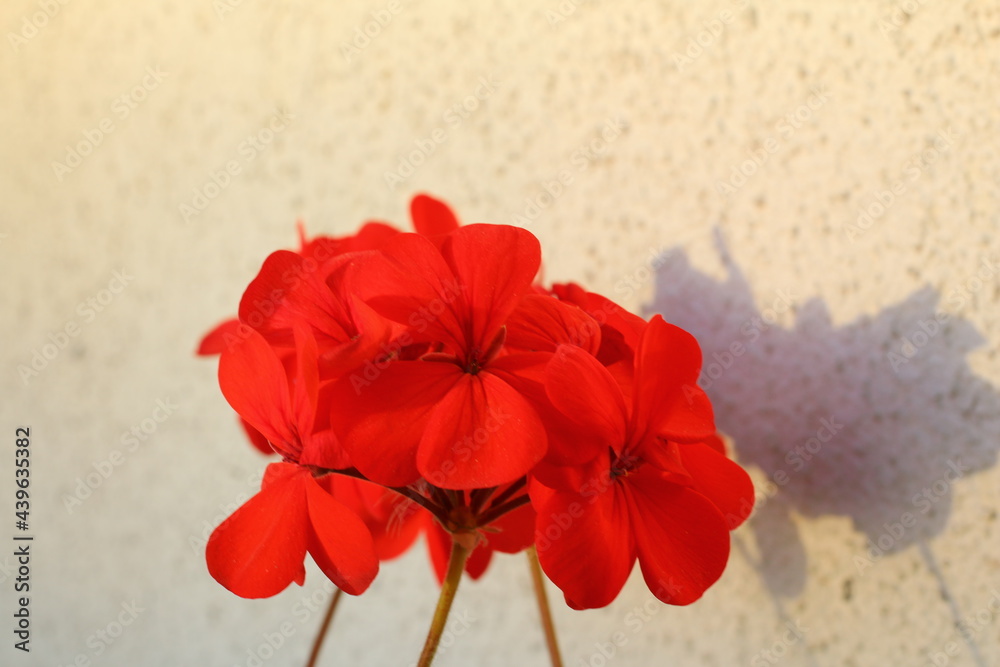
x=426, y=382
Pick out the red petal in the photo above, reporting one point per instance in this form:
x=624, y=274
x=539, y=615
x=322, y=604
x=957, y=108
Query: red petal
x=409, y=282
x=306, y=385
x=278, y=473
x=291, y=289
x=580, y=387
x=219, y=338
x=720, y=480
x=681, y=539
x=259, y=550
x=314, y=298
x=514, y=531
x=717, y=443
x=569, y=441
x=620, y=329
x=253, y=380
x=541, y=323
x=371, y=340
x=397, y=533
x=666, y=457
x=585, y=546
x=588, y=475
x=525, y=371
x=323, y=447
x=324, y=450
x=371, y=236
x=539, y=492
x=263, y=305
x=478, y=560
x=393, y=520
x=666, y=399
x=483, y=433
x=381, y=415
x=439, y=547
x=339, y=542
x=496, y=265
x=432, y=217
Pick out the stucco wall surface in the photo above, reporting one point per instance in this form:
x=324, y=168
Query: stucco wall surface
x=812, y=189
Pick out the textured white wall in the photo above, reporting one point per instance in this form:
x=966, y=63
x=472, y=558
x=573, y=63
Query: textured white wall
x=838, y=101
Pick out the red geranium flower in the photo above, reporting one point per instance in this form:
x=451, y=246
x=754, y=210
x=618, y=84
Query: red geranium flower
x=642, y=495
x=452, y=416
x=426, y=383
x=259, y=550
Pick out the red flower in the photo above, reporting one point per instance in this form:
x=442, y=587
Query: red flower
x=259, y=550
x=451, y=416
x=214, y=342
x=642, y=495
x=312, y=285
x=422, y=383
x=281, y=277
x=432, y=217
x=281, y=403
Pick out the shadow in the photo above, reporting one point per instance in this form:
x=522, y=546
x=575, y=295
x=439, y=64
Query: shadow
x=873, y=420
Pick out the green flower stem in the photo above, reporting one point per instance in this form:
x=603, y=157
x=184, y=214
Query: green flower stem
x=543, y=607
x=318, y=642
x=456, y=566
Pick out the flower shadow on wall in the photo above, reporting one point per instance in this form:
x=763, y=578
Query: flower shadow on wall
x=850, y=420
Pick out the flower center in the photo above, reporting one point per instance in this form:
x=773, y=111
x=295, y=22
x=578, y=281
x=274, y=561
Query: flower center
x=624, y=464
